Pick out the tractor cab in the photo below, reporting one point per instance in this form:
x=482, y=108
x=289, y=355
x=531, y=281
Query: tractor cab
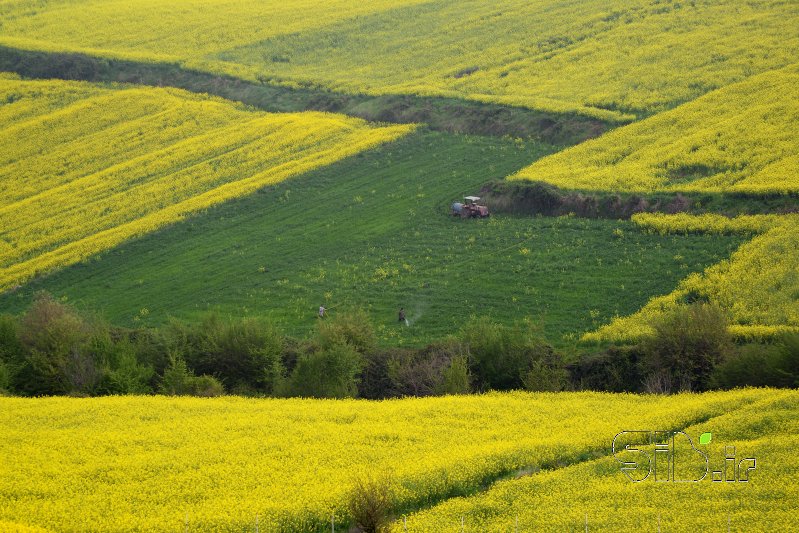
x=470, y=208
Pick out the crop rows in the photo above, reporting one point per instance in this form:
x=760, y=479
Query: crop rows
x=739, y=139
x=86, y=172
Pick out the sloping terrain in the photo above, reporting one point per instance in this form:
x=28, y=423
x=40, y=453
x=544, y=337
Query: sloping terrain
x=161, y=464
x=614, y=61
x=374, y=232
x=85, y=168
x=740, y=139
x=596, y=494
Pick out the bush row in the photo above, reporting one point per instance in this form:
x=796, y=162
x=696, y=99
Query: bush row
x=52, y=349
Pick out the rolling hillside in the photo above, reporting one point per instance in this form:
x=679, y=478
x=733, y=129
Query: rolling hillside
x=618, y=61
x=738, y=140
x=161, y=464
x=373, y=231
x=86, y=167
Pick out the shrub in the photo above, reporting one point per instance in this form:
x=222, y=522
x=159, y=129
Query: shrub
x=60, y=354
x=544, y=377
x=787, y=361
x=205, y=386
x=128, y=375
x=501, y=356
x=752, y=365
x=353, y=328
x=327, y=373
x=370, y=505
x=456, y=377
x=687, y=344
x=618, y=369
x=178, y=380
x=5, y=378
x=244, y=354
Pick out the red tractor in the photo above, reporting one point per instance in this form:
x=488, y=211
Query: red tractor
x=470, y=208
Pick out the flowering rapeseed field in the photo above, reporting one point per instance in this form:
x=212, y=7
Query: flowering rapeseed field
x=84, y=168
x=596, y=494
x=168, y=464
x=614, y=60
x=740, y=139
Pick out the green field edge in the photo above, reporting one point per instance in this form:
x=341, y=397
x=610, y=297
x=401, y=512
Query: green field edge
x=439, y=113
x=574, y=458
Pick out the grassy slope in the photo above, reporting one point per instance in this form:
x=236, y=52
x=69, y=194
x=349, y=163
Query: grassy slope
x=373, y=231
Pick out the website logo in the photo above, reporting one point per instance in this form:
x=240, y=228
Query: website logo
x=670, y=456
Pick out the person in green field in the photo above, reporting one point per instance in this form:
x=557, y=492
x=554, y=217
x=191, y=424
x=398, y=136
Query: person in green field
x=322, y=311
x=402, y=316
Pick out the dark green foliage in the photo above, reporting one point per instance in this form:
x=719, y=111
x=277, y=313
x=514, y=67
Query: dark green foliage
x=752, y=365
x=178, y=380
x=62, y=352
x=327, y=373
x=244, y=354
x=502, y=357
x=351, y=328
x=688, y=343
x=617, y=369
x=5, y=377
x=456, y=377
x=760, y=365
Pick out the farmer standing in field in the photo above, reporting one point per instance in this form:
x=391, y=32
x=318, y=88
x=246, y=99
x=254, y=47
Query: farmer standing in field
x=402, y=315
x=322, y=311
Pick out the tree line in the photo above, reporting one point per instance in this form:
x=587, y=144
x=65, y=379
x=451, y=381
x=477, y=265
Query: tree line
x=53, y=349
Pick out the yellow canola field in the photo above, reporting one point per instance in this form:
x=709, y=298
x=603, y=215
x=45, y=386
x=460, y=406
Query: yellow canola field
x=739, y=139
x=614, y=60
x=758, y=286
x=84, y=168
x=596, y=495
x=169, y=464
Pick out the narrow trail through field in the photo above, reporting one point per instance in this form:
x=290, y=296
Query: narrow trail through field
x=587, y=455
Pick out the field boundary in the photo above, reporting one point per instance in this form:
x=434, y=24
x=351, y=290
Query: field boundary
x=439, y=113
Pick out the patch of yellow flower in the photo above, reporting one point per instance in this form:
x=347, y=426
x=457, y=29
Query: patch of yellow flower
x=738, y=139
x=614, y=60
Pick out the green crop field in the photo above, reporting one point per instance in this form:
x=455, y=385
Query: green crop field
x=374, y=231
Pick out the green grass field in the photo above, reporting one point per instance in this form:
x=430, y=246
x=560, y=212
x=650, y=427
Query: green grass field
x=373, y=231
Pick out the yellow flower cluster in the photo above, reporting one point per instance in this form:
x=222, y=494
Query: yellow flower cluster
x=85, y=168
x=597, y=496
x=613, y=60
x=740, y=139
x=757, y=287
x=225, y=464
